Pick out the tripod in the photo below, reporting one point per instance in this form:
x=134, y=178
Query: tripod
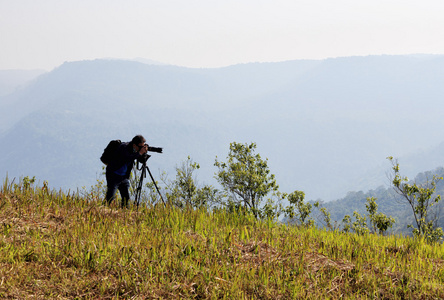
x=143, y=170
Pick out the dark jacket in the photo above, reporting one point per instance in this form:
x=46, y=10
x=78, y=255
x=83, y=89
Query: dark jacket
x=125, y=156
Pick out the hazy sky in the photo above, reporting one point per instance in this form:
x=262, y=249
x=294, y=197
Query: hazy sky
x=212, y=33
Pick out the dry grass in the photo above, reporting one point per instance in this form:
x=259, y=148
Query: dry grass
x=58, y=246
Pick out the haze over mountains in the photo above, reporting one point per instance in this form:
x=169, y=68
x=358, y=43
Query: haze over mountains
x=10, y=80
x=326, y=126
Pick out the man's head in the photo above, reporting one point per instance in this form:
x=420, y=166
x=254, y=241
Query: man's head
x=138, y=140
x=138, y=143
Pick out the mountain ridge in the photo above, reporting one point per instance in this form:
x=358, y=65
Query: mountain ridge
x=323, y=125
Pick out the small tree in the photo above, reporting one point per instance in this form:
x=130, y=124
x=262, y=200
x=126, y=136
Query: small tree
x=246, y=177
x=325, y=216
x=347, y=223
x=360, y=224
x=420, y=198
x=379, y=221
x=298, y=208
x=184, y=187
x=185, y=191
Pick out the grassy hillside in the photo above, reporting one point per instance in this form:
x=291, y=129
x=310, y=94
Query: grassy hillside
x=66, y=246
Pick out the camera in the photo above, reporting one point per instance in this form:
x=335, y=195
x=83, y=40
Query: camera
x=145, y=156
x=154, y=149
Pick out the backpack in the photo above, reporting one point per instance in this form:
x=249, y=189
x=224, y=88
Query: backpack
x=109, y=153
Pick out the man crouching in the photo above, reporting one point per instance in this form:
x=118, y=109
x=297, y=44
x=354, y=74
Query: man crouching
x=119, y=168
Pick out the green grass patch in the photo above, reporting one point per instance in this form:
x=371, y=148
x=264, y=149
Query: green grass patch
x=64, y=246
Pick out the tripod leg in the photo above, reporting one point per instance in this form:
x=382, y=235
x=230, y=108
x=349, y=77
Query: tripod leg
x=139, y=187
x=152, y=178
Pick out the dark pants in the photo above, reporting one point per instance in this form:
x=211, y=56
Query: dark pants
x=114, y=182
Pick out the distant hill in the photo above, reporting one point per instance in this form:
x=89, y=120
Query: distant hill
x=389, y=203
x=326, y=126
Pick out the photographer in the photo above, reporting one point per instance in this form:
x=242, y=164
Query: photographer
x=119, y=169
